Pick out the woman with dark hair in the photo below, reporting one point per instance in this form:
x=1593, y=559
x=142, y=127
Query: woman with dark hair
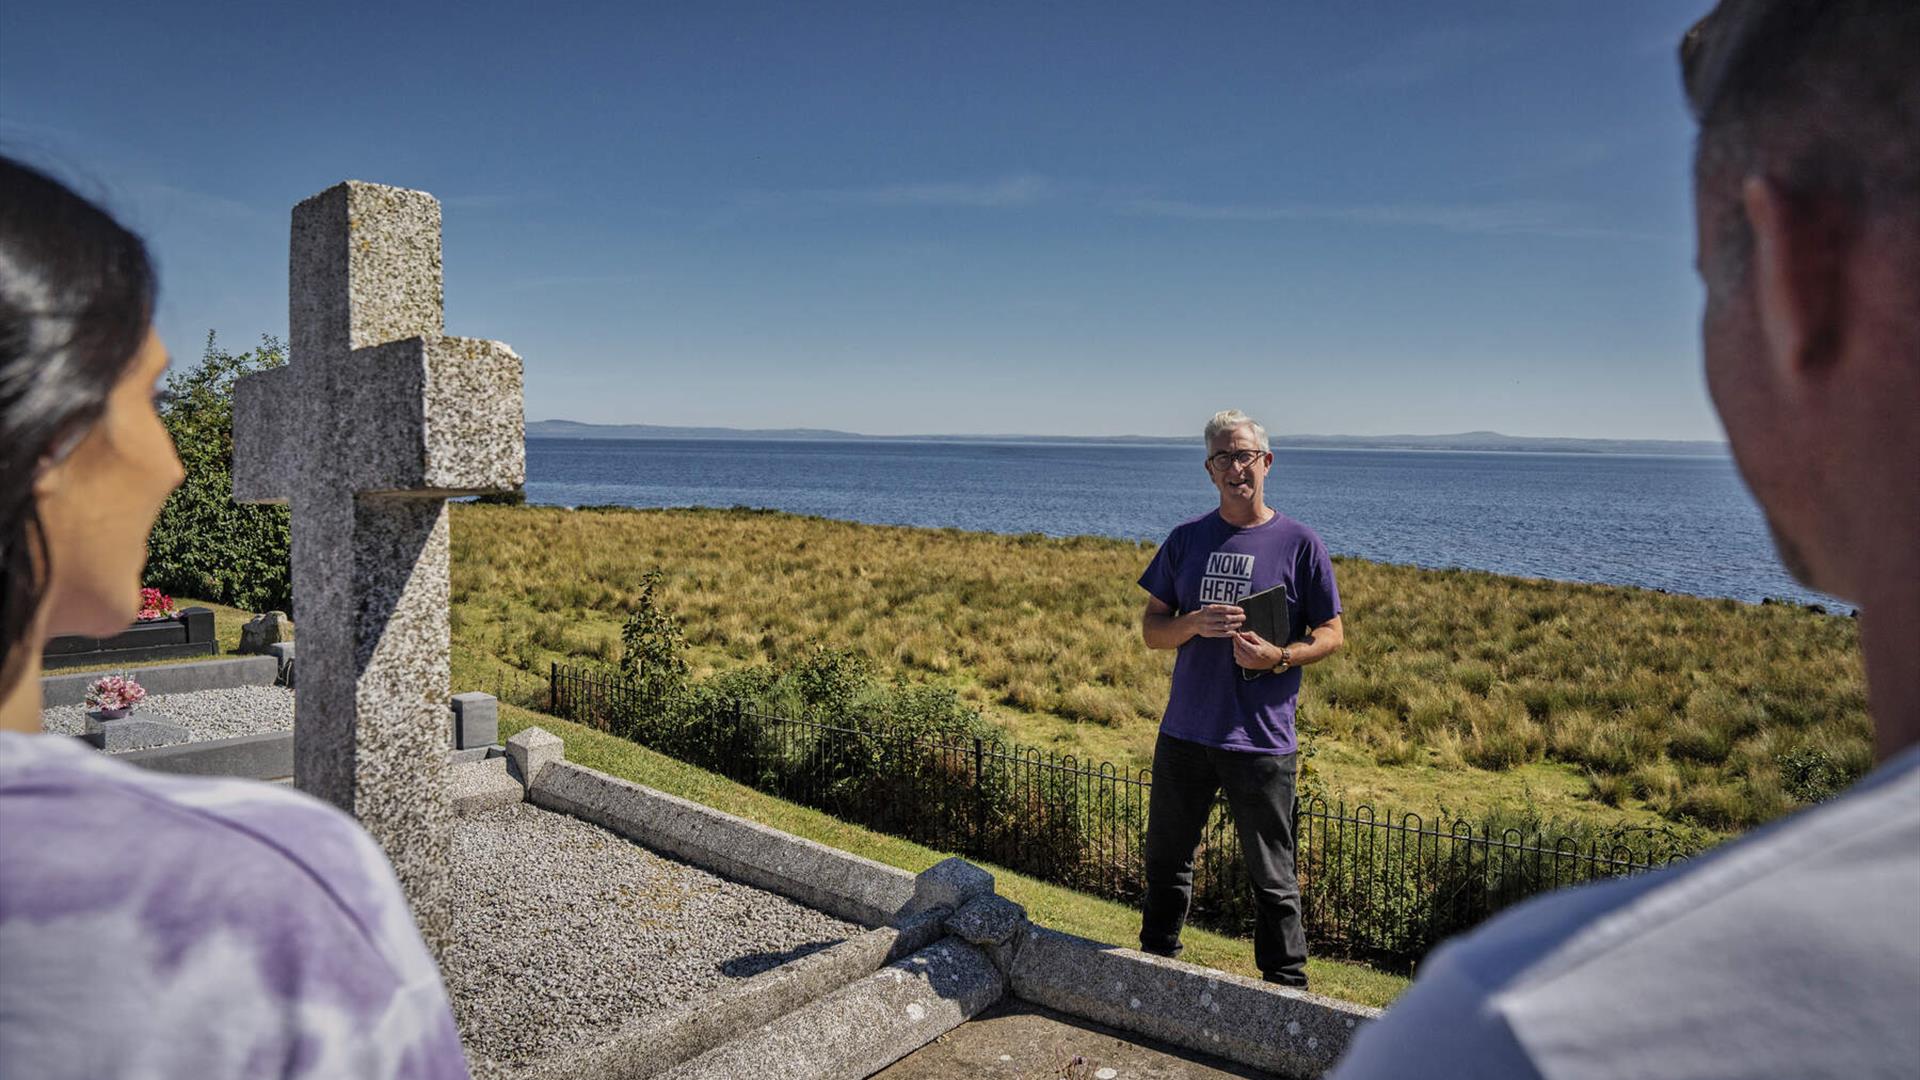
x=151, y=925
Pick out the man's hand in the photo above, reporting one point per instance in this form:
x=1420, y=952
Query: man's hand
x=1218, y=620
x=1253, y=652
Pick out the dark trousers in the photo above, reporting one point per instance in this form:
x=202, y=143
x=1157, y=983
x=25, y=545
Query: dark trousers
x=1186, y=776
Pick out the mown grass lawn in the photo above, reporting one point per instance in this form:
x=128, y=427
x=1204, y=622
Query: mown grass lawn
x=1460, y=692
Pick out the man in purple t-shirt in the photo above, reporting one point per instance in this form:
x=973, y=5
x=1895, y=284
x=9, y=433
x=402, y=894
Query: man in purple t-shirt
x=1229, y=719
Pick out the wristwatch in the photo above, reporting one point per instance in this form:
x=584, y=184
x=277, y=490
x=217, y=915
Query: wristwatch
x=1286, y=659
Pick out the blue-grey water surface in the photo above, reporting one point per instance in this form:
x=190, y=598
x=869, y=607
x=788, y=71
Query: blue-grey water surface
x=1684, y=524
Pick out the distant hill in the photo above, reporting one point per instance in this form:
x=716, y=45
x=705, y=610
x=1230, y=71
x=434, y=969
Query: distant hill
x=1471, y=440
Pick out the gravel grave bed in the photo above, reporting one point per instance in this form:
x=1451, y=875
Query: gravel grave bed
x=206, y=714
x=569, y=932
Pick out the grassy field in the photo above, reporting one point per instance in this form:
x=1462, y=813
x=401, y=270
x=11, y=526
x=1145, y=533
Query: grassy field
x=1460, y=692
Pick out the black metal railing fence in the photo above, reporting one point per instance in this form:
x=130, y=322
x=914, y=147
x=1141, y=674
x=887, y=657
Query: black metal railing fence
x=1374, y=886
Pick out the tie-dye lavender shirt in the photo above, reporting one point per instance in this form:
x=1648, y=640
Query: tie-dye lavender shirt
x=172, y=927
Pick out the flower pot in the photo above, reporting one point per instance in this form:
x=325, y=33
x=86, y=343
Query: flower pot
x=110, y=714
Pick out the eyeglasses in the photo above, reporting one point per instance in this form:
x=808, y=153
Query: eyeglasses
x=1238, y=459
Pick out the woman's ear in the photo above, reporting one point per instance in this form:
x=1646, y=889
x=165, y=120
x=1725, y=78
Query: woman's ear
x=47, y=473
x=1799, y=250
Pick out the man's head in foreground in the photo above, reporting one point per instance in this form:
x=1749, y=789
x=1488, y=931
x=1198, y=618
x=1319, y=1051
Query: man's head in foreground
x=1787, y=953
x=1807, y=193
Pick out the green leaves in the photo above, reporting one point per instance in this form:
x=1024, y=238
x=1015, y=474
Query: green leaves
x=653, y=647
x=204, y=544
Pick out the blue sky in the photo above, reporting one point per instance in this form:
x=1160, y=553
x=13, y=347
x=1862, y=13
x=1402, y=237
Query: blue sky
x=915, y=217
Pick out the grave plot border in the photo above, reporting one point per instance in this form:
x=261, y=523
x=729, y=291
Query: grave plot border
x=188, y=633
x=70, y=688
x=266, y=756
x=1276, y=1029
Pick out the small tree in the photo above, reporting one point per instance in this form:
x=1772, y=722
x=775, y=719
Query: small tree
x=204, y=544
x=653, y=648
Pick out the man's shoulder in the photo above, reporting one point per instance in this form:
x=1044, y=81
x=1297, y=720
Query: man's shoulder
x=1297, y=531
x=1200, y=529
x=1767, y=951
x=1207, y=522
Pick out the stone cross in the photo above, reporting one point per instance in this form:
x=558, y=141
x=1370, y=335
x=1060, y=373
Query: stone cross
x=376, y=420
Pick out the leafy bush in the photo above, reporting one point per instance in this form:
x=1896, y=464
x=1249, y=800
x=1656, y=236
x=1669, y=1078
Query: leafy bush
x=653, y=647
x=204, y=544
x=1810, y=774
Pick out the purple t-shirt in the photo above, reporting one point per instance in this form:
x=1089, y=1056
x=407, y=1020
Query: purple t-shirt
x=181, y=928
x=1207, y=561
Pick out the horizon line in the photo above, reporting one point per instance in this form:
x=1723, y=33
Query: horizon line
x=1272, y=436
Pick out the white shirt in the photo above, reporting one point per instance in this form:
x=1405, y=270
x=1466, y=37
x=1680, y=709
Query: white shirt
x=1792, y=953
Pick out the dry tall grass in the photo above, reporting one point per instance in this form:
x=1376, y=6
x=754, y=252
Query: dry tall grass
x=1456, y=685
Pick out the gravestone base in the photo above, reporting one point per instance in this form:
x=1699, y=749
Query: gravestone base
x=134, y=731
x=1017, y=1040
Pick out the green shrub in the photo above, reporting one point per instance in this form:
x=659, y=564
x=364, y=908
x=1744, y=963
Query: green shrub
x=652, y=646
x=1810, y=775
x=204, y=544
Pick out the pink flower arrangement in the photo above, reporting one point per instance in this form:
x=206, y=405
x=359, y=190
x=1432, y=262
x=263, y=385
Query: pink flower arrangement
x=155, y=605
x=115, y=692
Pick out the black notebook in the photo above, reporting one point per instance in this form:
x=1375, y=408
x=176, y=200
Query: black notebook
x=1269, y=616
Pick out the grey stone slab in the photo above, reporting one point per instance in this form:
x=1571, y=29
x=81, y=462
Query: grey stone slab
x=848, y=886
x=993, y=923
x=134, y=731
x=483, y=785
x=987, y=920
x=478, y=753
x=532, y=750
x=476, y=720
x=1290, y=1032
x=252, y=757
x=374, y=422
x=652, y=1046
x=188, y=678
x=108, y=658
x=1018, y=1040
x=864, y=1027
x=949, y=884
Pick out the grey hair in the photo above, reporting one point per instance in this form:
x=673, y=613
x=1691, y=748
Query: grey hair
x=1227, y=420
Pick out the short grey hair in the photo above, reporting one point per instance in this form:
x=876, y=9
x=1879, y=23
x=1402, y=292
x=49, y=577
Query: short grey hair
x=1229, y=419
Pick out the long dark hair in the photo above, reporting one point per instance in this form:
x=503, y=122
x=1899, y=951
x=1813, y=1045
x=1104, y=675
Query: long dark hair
x=76, y=299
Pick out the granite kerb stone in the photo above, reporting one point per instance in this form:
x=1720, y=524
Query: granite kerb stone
x=266, y=756
x=532, y=749
x=649, y=1047
x=483, y=785
x=995, y=924
x=1276, y=1029
x=70, y=688
x=137, y=731
x=836, y=882
x=863, y=1027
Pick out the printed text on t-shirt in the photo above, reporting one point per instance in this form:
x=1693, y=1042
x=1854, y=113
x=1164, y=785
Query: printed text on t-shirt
x=1229, y=577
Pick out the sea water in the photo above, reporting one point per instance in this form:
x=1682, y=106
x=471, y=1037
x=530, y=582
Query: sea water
x=1683, y=524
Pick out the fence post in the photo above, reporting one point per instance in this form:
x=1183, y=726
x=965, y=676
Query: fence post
x=979, y=798
x=737, y=718
x=553, y=689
